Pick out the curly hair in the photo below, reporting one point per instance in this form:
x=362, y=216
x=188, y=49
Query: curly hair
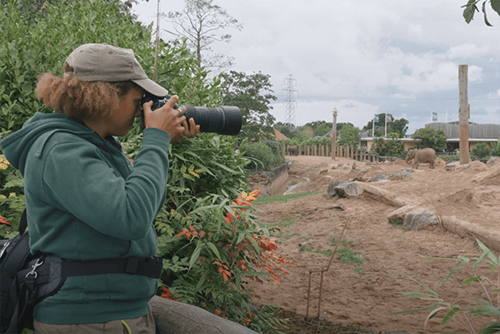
x=80, y=99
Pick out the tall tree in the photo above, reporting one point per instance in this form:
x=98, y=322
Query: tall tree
x=429, y=137
x=253, y=94
x=349, y=135
x=399, y=126
x=200, y=22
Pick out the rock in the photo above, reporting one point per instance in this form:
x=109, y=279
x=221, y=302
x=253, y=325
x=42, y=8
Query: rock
x=413, y=218
x=324, y=171
x=357, y=175
x=493, y=160
x=403, y=174
x=451, y=166
x=419, y=218
x=378, y=178
x=348, y=189
x=178, y=318
x=398, y=216
x=331, y=188
x=334, y=166
x=324, y=164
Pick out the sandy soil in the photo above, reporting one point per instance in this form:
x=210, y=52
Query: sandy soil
x=365, y=294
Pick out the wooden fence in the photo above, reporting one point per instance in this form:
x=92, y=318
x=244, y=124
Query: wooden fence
x=345, y=151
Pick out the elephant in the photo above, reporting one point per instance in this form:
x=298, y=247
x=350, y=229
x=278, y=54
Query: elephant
x=425, y=155
x=293, y=150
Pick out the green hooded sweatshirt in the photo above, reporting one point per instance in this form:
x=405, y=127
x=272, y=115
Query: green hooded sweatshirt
x=85, y=201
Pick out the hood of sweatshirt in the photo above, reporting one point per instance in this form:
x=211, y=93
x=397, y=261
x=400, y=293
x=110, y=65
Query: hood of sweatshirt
x=17, y=145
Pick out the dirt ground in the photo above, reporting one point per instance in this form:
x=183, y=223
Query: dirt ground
x=366, y=293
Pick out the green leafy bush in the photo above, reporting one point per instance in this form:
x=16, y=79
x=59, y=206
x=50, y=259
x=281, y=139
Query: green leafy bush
x=262, y=156
x=205, y=173
x=481, y=150
x=429, y=137
x=12, y=200
x=496, y=150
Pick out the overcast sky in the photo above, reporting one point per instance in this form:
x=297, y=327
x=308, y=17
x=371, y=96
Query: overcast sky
x=363, y=57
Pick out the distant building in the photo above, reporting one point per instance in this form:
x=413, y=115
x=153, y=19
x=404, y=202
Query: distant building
x=478, y=133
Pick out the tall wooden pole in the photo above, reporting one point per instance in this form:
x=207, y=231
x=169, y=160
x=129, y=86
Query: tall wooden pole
x=463, y=114
x=334, y=134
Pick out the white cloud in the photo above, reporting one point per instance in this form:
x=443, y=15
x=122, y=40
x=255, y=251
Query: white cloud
x=360, y=56
x=467, y=50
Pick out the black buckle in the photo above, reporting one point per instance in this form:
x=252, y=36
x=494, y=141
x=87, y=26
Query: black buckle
x=132, y=265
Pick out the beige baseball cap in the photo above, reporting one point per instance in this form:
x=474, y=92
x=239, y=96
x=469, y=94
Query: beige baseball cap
x=103, y=62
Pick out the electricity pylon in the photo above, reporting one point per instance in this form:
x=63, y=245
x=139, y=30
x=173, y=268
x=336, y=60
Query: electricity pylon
x=290, y=102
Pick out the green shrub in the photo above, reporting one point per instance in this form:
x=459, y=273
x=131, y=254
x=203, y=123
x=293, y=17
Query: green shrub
x=206, y=174
x=496, y=150
x=481, y=150
x=262, y=156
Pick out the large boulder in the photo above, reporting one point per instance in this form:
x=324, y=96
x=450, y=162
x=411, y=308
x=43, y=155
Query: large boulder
x=173, y=317
x=378, y=178
x=348, y=189
x=331, y=192
x=413, y=218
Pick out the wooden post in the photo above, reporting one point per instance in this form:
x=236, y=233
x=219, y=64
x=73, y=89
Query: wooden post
x=463, y=115
x=334, y=134
x=352, y=151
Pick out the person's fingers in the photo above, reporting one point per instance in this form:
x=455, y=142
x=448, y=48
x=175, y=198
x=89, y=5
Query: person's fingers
x=172, y=101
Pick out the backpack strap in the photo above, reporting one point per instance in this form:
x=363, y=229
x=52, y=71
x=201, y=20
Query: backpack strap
x=23, y=224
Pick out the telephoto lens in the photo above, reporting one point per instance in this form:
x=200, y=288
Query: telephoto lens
x=224, y=120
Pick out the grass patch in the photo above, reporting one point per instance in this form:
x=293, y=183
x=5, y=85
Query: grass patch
x=283, y=235
x=347, y=255
x=396, y=224
x=287, y=221
x=282, y=198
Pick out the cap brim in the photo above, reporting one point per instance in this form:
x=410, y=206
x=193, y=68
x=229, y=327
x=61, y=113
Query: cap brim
x=151, y=87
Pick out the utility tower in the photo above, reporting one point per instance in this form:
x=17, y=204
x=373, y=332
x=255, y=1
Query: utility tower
x=290, y=102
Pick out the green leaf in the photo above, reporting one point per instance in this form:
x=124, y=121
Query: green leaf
x=469, y=11
x=434, y=293
x=449, y=315
x=485, y=17
x=195, y=255
x=470, y=279
x=449, y=275
x=495, y=4
x=486, y=252
x=214, y=249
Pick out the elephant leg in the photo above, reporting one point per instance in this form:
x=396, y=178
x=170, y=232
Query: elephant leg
x=415, y=164
x=431, y=165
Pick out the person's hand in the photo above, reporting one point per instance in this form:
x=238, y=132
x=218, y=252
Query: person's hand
x=170, y=120
x=189, y=131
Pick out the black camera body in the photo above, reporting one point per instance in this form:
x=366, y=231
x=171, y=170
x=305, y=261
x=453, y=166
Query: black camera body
x=222, y=120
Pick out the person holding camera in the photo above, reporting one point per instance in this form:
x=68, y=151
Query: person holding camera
x=85, y=200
